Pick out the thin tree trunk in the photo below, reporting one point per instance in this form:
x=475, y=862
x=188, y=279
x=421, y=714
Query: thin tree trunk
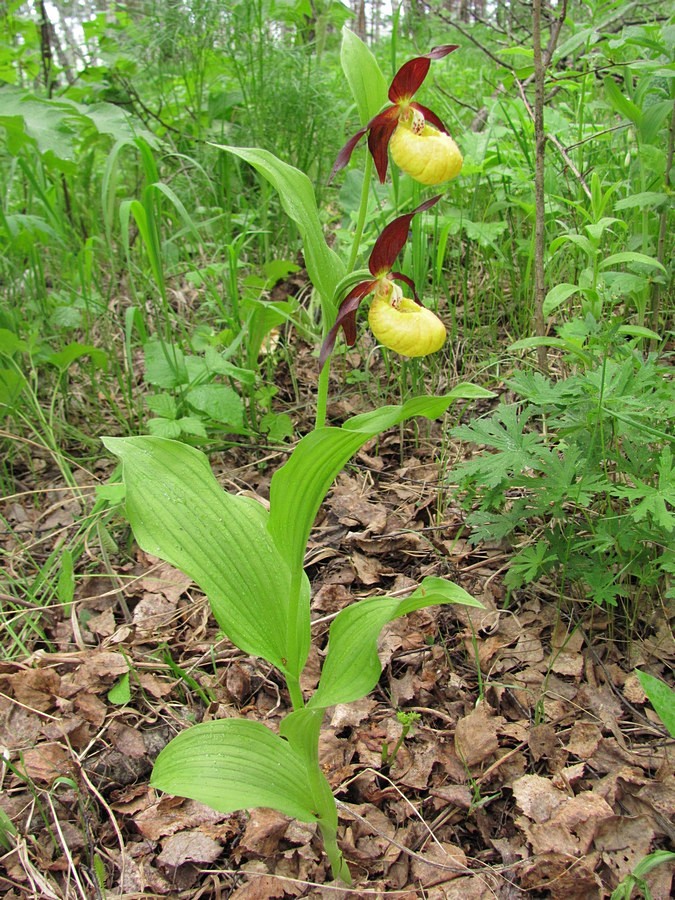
x=360, y=11
x=661, y=254
x=539, y=198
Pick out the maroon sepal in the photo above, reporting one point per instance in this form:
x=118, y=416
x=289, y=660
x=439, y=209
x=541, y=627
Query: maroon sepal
x=346, y=319
x=408, y=78
x=399, y=276
x=411, y=75
x=430, y=116
x=390, y=242
x=345, y=154
x=378, y=140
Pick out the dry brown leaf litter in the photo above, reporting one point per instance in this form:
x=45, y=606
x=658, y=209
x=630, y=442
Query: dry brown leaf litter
x=532, y=771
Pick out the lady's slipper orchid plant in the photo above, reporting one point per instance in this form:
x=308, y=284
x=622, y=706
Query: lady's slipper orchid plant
x=420, y=143
x=399, y=323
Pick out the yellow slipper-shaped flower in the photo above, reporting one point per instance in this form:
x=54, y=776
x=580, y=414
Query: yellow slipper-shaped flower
x=429, y=156
x=405, y=327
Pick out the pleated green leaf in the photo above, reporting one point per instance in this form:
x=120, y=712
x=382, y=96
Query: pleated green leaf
x=324, y=266
x=179, y=512
x=232, y=764
x=299, y=486
x=363, y=73
x=352, y=667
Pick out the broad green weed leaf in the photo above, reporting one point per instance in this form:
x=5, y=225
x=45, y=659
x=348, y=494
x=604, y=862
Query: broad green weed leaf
x=620, y=102
x=12, y=383
x=46, y=124
x=631, y=256
x=231, y=764
x=641, y=200
x=162, y=405
x=66, y=357
x=352, y=667
x=166, y=428
x=557, y=295
x=192, y=425
x=218, y=401
x=653, y=120
x=661, y=697
x=639, y=331
x=11, y=343
x=296, y=193
x=179, y=512
x=364, y=76
x=164, y=365
x=298, y=488
x=120, y=692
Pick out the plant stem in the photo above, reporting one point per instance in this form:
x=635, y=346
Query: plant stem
x=322, y=395
x=324, y=376
x=293, y=684
x=363, y=210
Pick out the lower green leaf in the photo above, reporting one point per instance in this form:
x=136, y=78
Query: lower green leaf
x=352, y=667
x=179, y=512
x=233, y=764
x=662, y=698
x=299, y=486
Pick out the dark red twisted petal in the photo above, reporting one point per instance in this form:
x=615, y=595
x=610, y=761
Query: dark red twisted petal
x=345, y=154
x=442, y=50
x=411, y=75
x=408, y=78
x=399, y=276
x=391, y=241
x=381, y=130
x=430, y=116
x=346, y=319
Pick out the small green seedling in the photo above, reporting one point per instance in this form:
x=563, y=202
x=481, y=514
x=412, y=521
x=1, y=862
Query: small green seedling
x=407, y=720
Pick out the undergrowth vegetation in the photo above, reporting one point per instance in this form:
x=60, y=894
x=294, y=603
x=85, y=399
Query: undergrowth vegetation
x=139, y=262
x=177, y=242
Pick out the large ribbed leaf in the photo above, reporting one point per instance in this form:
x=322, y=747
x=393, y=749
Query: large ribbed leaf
x=232, y=764
x=352, y=667
x=179, y=512
x=298, y=488
x=324, y=266
x=363, y=73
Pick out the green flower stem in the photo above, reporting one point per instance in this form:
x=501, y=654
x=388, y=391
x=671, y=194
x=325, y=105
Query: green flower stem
x=322, y=394
x=339, y=867
x=363, y=210
x=324, y=376
x=293, y=681
x=293, y=684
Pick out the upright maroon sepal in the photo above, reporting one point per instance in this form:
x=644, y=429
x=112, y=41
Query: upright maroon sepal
x=411, y=75
x=390, y=242
x=346, y=319
x=408, y=78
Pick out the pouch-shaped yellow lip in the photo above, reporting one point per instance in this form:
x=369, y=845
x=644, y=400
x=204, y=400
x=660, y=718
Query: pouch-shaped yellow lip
x=429, y=157
x=406, y=328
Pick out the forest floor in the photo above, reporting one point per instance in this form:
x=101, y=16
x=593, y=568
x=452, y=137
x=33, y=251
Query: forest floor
x=536, y=767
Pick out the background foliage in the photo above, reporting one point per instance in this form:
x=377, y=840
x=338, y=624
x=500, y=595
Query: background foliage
x=139, y=261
